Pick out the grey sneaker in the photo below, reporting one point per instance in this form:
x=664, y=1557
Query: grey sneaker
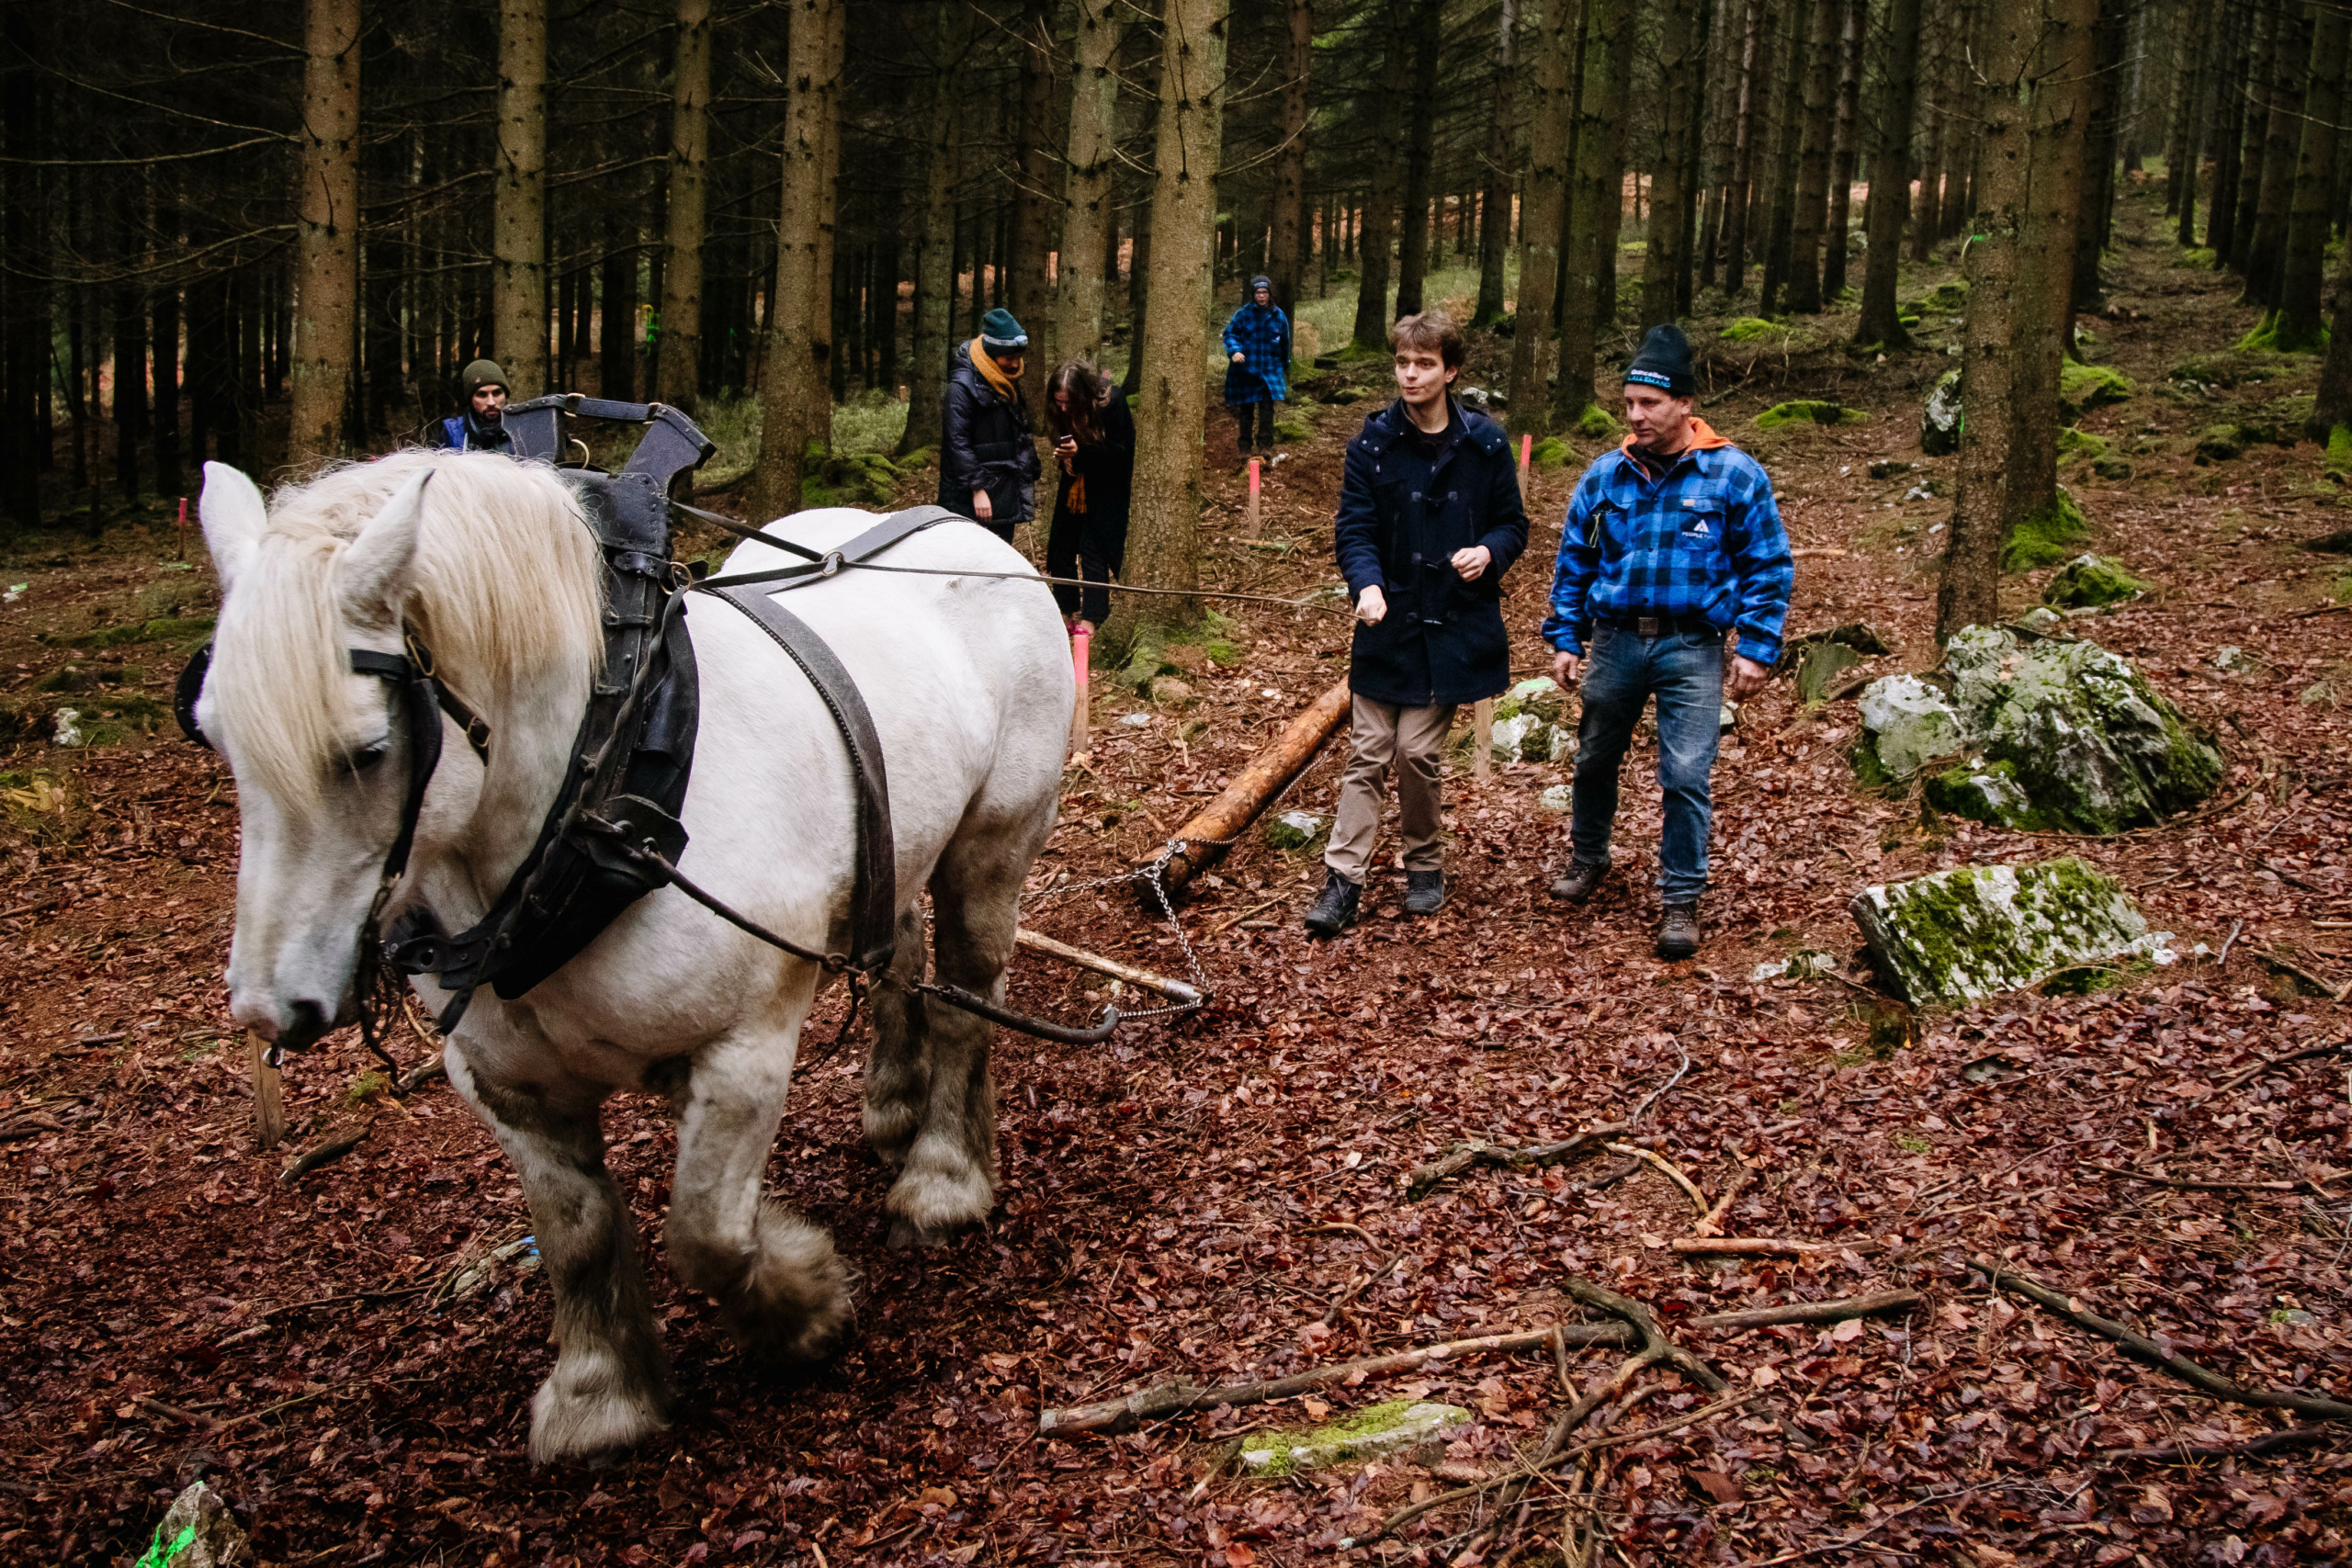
x=1424, y=892
x=1334, y=909
x=1576, y=885
x=1677, y=930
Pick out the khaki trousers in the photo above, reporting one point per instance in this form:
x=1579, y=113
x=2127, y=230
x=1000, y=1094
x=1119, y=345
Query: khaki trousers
x=1383, y=734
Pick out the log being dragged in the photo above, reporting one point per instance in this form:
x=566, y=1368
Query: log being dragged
x=1177, y=991
x=1124, y=1414
x=1209, y=835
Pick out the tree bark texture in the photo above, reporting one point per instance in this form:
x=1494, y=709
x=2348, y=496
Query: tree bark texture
x=1163, y=549
x=1968, y=592
x=678, y=353
x=1387, y=180
x=1552, y=102
x=1036, y=206
x=1494, y=208
x=1413, y=240
x=1747, y=145
x=2193, y=109
x=1597, y=193
x=1778, y=219
x=1889, y=198
x=2102, y=98
x=2229, y=118
x=1681, y=59
x=1810, y=215
x=1087, y=214
x=327, y=234
x=2253, y=134
x=2303, y=273
x=1287, y=260
x=2058, y=121
x=2282, y=132
x=795, y=379
x=519, y=205
x=1844, y=148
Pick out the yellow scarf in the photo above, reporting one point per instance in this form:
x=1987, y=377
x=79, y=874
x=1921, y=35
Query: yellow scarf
x=987, y=369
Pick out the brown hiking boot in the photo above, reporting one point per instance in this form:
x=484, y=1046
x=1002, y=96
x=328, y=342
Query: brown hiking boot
x=1576, y=885
x=1677, y=930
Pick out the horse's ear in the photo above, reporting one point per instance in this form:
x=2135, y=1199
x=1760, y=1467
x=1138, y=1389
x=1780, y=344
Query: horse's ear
x=233, y=516
x=372, y=577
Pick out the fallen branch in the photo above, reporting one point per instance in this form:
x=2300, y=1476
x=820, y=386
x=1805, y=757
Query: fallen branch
x=1711, y=1223
x=2186, y=1184
x=185, y=1417
x=1672, y=1172
x=2333, y=990
x=323, y=1154
x=1748, y=1246
x=2148, y=1352
x=1653, y=1338
x=1176, y=991
x=2269, y=1442
x=1477, y=1151
x=1125, y=1413
x=2269, y=1062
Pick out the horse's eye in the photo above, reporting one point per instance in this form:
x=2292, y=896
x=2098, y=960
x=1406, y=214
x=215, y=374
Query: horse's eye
x=368, y=756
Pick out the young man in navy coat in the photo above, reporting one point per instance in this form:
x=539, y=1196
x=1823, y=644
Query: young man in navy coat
x=1429, y=520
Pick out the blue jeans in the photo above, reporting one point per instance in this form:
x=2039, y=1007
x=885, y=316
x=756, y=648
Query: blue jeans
x=1620, y=672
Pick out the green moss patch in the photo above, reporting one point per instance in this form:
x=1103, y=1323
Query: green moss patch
x=1378, y=1429
x=2072, y=442
x=166, y=629
x=1596, y=424
x=865, y=479
x=2089, y=580
x=2274, y=336
x=1551, y=453
x=2082, y=388
x=2047, y=536
x=1807, y=410
x=1754, y=329
x=1974, y=931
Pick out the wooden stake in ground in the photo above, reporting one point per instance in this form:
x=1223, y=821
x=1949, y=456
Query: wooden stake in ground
x=1482, y=738
x=270, y=1104
x=1207, y=836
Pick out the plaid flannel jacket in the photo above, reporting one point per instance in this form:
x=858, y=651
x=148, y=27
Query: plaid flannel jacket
x=1705, y=540
x=1262, y=332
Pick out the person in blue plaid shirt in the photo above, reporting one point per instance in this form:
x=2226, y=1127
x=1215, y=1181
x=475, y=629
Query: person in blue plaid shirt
x=1672, y=549
x=1257, y=370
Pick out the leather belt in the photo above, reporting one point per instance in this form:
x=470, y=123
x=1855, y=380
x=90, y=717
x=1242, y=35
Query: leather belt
x=1664, y=626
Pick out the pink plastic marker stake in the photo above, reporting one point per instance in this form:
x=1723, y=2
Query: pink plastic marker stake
x=1526, y=447
x=1251, y=520
x=1081, y=646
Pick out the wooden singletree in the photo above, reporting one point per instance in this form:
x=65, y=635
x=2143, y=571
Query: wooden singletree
x=1163, y=549
x=327, y=234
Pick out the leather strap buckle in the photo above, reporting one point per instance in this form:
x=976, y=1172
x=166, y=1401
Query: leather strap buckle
x=1645, y=625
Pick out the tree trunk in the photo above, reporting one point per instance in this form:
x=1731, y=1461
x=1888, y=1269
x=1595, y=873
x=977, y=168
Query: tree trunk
x=1810, y=216
x=2260, y=83
x=1494, y=208
x=1598, y=193
x=1681, y=61
x=1138, y=298
x=1552, y=102
x=1413, y=244
x=616, y=315
x=1293, y=242
x=165, y=340
x=1890, y=195
x=1969, y=591
x=2301, y=310
x=519, y=219
x=1086, y=215
x=1036, y=215
x=129, y=311
x=1844, y=148
x=935, y=255
x=1387, y=180
x=2195, y=64
x=2097, y=198
x=2229, y=118
x=795, y=378
x=1722, y=120
x=1748, y=156
x=2180, y=139
x=1787, y=158
x=2059, y=121
x=678, y=355
x=327, y=234
x=1163, y=549
x=2282, y=130
x=1927, y=220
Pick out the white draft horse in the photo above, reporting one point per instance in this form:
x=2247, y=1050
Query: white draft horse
x=492, y=568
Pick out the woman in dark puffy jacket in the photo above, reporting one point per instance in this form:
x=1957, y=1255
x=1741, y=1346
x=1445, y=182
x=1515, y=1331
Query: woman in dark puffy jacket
x=1094, y=450
x=987, y=459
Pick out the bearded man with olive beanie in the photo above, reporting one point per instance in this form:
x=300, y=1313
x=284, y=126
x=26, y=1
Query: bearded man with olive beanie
x=481, y=426
x=987, y=459
x=1672, y=560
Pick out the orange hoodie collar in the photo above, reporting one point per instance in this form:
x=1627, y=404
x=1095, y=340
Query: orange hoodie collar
x=1702, y=439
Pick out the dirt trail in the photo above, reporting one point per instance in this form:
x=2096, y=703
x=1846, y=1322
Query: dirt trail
x=1207, y=1201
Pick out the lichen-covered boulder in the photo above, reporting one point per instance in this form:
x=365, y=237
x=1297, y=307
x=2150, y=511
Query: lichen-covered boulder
x=1387, y=1428
x=1523, y=738
x=1539, y=695
x=2082, y=388
x=1807, y=410
x=1940, y=424
x=199, y=1531
x=2090, y=580
x=2050, y=734
x=1974, y=931
x=1294, y=829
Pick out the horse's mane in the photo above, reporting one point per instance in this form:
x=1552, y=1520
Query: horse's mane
x=505, y=590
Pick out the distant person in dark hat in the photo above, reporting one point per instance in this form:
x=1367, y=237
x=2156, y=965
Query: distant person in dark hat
x=483, y=426
x=1672, y=561
x=1094, y=450
x=987, y=459
x=1256, y=371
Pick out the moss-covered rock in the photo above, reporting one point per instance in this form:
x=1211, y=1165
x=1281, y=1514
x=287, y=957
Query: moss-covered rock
x=1551, y=453
x=2219, y=443
x=2087, y=581
x=1955, y=936
x=1539, y=695
x=864, y=478
x=2047, y=536
x=2111, y=468
x=1378, y=1429
x=2338, y=463
x=1754, y=329
x=2093, y=748
x=2082, y=388
x=1293, y=430
x=2072, y=442
x=1294, y=829
x=1596, y=424
x=1820, y=665
x=1942, y=423
x=1807, y=410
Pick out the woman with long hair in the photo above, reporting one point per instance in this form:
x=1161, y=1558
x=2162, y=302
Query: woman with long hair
x=1094, y=450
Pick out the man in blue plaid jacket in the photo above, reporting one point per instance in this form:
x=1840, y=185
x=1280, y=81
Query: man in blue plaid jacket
x=1257, y=370
x=1672, y=549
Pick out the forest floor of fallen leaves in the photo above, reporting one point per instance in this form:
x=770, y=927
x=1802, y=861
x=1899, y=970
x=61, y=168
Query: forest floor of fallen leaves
x=1224, y=1198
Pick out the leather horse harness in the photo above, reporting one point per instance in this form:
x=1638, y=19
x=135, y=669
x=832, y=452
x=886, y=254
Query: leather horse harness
x=613, y=834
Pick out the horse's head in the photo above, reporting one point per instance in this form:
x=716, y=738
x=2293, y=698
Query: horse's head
x=321, y=754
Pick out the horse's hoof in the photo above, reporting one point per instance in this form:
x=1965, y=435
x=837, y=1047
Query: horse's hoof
x=908, y=1236
x=794, y=1304
x=595, y=1430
